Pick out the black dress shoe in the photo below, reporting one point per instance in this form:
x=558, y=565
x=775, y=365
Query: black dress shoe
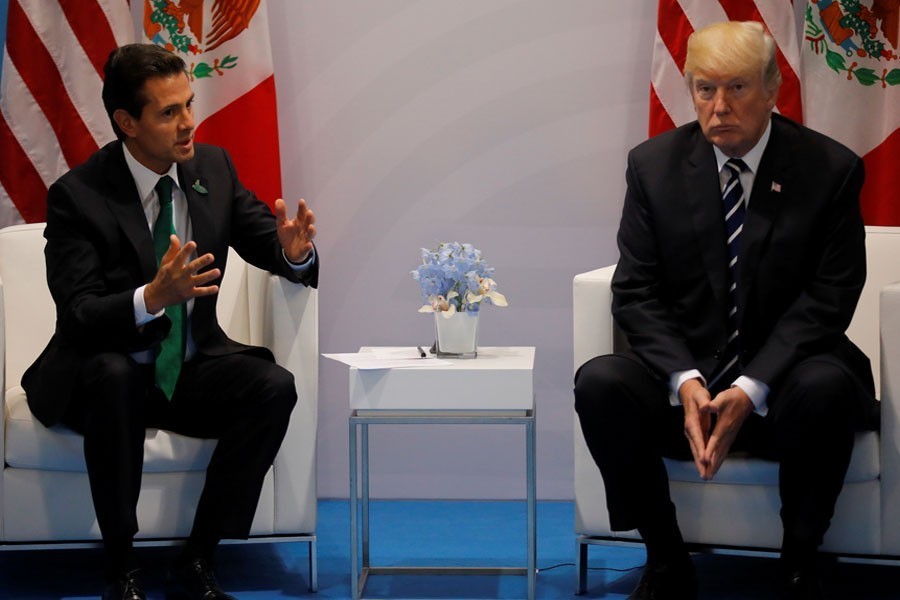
x=126, y=587
x=667, y=582
x=802, y=584
x=199, y=581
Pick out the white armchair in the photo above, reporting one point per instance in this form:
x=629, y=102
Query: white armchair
x=45, y=498
x=867, y=516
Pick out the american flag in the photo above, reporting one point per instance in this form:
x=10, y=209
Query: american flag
x=51, y=112
x=670, y=102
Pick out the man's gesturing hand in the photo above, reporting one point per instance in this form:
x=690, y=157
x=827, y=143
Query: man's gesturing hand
x=295, y=234
x=178, y=280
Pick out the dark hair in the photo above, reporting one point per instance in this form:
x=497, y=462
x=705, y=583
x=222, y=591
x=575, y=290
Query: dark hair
x=125, y=72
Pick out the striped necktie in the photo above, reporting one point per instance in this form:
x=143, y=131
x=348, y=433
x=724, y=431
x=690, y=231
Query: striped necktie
x=733, y=198
x=171, y=354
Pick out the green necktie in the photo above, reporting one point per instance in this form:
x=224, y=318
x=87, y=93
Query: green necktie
x=171, y=354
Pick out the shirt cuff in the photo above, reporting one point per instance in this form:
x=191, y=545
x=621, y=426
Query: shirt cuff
x=141, y=316
x=676, y=380
x=300, y=267
x=758, y=392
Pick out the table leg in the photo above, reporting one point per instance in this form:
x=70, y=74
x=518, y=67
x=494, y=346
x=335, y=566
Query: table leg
x=365, y=496
x=354, y=516
x=532, y=507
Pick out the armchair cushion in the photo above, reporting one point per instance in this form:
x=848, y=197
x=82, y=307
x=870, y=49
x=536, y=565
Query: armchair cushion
x=30, y=445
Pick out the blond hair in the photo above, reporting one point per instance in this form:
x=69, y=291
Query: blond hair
x=733, y=47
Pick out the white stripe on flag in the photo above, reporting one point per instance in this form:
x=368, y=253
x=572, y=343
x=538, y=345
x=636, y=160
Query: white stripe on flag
x=703, y=12
x=670, y=86
x=119, y=19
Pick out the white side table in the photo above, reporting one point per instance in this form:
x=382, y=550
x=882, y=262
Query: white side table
x=504, y=377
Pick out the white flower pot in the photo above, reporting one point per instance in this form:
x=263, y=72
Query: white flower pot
x=457, y=335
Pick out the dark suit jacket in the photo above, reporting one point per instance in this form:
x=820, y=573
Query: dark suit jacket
x=802, y=261
x=100, y=249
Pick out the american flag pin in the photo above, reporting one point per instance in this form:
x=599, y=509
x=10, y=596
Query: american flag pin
x=776, y=187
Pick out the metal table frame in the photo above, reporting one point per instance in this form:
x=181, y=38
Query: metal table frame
x=359, y=426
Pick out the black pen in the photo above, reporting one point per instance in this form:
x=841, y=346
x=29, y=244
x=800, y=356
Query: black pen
x=421, y=352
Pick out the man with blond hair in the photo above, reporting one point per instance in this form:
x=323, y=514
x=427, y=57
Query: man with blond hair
x=742, y=257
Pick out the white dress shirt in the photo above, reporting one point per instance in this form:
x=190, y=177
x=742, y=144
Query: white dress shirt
x=754, y=388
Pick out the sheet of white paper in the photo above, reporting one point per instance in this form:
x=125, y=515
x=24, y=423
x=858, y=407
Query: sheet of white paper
x=394, y=358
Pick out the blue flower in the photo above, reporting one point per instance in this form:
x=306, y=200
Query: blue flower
x=453, y=277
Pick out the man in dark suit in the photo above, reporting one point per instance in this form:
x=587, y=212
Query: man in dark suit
x=137, y=239
x=734, y=286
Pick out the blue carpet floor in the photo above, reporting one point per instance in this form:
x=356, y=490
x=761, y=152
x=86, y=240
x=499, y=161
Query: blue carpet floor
x=430, y=533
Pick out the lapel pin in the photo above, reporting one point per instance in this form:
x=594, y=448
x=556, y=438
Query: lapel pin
x=202, y=190
x=776, y=187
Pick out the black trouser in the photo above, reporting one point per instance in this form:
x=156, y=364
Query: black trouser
x=242, y=400
x=629, y=426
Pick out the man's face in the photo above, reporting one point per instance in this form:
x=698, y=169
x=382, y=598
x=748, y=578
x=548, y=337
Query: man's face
x=733, y=110
x=164, y=133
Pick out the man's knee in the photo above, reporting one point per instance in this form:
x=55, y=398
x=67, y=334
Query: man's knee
x=815, y=406
x=818, y=390
x=110, y=367
x=109, y=395
x=607, y=385
x=592, y=383
x=278, y=390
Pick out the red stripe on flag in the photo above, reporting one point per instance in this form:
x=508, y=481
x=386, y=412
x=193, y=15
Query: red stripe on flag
x=879, y=200
x=38, y=71
x=741, y=10
x=20, y=179
x=252, y=143
x=92, y=29
x=674, y=29
x=789, y=99
x=660, y=120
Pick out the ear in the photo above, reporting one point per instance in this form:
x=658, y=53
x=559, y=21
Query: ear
x=126, y=122
x=773, y=98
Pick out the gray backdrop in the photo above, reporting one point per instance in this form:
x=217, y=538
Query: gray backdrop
x=504, y=123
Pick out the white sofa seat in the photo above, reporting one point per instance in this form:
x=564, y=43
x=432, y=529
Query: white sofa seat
x=44, y=491
x=739, y=509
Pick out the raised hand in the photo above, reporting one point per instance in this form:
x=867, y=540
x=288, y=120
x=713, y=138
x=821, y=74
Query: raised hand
x=295, y=234
x=179, y=279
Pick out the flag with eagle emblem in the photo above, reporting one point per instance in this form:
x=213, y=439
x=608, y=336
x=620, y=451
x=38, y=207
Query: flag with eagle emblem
x=225, y=44
x=851, y=90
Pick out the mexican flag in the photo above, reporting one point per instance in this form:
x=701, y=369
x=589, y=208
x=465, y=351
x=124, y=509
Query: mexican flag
x=226, y=46
x=851, y=90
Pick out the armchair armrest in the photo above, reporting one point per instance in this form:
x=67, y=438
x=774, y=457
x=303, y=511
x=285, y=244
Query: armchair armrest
x=890, y=419
x=594, y=332
x=290, y=328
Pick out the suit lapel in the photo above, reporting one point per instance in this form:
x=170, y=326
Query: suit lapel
x=125, y=203
x=196, y=191
x=705, y=205
x=771, y=189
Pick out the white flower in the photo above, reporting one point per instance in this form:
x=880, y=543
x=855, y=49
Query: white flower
x=486, y=289
x=440, y=304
